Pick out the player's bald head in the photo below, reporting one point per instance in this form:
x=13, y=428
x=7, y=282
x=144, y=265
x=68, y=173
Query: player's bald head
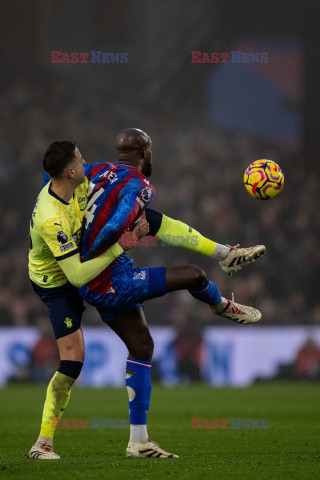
x=135, y=148
x=131, y=140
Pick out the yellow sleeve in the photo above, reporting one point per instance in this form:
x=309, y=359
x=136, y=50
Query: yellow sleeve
x=57, y=234
x=178, y=234
x=79, y=273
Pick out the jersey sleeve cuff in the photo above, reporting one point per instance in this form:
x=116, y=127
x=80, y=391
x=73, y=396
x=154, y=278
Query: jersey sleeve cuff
x=67, y=255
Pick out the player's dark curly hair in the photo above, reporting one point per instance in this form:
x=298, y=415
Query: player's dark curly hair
x=57, y=156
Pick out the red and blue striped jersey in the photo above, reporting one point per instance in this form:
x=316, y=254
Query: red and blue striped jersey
x=117, y=195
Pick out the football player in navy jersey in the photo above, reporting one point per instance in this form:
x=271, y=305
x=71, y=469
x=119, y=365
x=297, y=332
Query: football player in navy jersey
x=118, y=194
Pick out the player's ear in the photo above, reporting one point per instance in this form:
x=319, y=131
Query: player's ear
x=70, y=172
x=144, y=151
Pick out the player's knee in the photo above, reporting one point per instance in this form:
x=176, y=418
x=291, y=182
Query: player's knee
x=144, y=350
x=79, y=354
x=73, y=353
x=199, y=276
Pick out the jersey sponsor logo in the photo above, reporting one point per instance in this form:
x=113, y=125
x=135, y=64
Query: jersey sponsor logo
x=140, y=275
x=66, y=247
x=62, y=237
x=146, y=194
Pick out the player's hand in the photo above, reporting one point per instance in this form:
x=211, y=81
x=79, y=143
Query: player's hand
x=128, y=240
x=142, y=227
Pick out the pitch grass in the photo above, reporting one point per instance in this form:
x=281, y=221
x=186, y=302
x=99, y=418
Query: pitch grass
x=288, y=449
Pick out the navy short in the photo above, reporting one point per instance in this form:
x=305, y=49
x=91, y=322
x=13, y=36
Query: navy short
x=65, y=306
x=140, y=284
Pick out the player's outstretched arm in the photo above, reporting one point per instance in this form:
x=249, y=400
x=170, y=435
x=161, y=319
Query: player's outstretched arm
x=78, y=274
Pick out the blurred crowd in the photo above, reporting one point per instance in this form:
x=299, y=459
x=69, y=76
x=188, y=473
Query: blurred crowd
x=198, y=175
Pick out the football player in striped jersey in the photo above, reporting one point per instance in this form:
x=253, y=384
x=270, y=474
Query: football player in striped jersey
x=118, y=197
x=118, y=194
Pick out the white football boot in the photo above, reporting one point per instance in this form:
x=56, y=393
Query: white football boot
x=42, y=451
x=238, y=313
x=148, y=449
x=238, y=257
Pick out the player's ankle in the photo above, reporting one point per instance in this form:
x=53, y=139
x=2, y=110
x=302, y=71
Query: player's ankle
x=220, y=306
x=220, y=252
x=138, y=433
x=46, y=440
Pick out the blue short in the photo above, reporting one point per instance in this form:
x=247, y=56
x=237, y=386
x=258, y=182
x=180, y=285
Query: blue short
x=65, y=306
x=141, y=284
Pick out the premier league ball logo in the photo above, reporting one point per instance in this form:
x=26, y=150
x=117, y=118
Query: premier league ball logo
x=146, y=194
x=62, y=237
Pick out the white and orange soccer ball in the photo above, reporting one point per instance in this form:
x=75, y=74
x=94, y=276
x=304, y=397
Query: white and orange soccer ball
x=263, y=179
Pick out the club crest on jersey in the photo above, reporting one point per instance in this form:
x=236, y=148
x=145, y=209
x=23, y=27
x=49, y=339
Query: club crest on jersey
x=140, y=275
x=82, y=202
x=68, y=322
x=146, y=194
x=62, y=237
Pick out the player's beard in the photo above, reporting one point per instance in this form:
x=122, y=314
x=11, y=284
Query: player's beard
x=147, y=169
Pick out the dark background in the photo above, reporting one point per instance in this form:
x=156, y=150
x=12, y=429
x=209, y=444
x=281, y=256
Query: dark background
x=198, y=163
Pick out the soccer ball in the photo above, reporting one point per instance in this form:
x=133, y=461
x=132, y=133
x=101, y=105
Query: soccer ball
x=263, y=179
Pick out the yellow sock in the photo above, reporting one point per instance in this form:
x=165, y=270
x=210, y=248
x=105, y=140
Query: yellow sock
x=58, y=394
x=178, y=234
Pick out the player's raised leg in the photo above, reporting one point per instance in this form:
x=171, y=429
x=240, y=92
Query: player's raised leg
x=71, y=348
x=194, y=279
x=176, y=233
x=133, y=330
